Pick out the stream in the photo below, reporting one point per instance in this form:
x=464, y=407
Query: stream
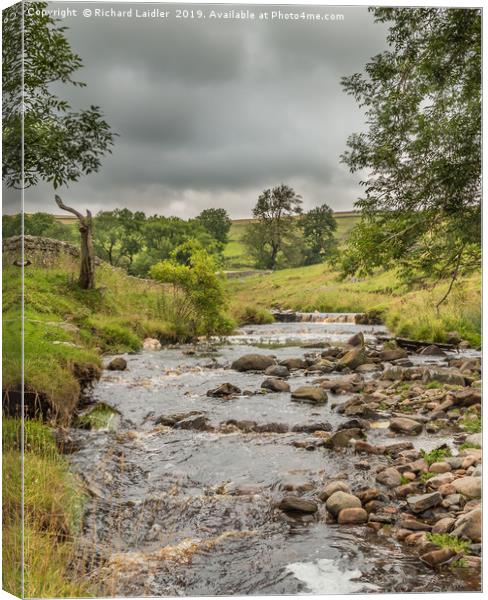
x=177, y=512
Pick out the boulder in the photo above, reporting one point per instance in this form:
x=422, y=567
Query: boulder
x=406, y=426
x=310, y=393
x=277, y=371
x=352, y=516
x=422, y=502
x=275, y=385
x=443, y=376
x=393, y=354
x=151, y=344
x=432, y=350
x=332, y=487
x=390, y=477
x=226, y=390
x=197, y=422
x=453, y=337
x=353, y=358
x=356, y=340
x=444, y=525
x=340, y=500
x=347, y=383
x=474, y=439
x=393, y=374
x=253, y=362
x=297, y=504
x=468, y=486
x=343, y=437
x=468, y=526
x=437, y=557
x=292, y=364
x=117, y=364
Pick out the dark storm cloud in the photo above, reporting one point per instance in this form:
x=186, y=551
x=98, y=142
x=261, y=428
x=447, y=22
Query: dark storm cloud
x=211, y=112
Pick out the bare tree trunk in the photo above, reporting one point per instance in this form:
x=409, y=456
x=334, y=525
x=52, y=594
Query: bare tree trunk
x=87, y=270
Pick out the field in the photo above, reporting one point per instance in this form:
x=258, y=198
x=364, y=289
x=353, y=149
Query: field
x=409, y=313
x=235, y=252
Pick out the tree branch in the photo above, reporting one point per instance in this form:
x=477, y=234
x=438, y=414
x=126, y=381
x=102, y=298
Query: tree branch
x=63, y=206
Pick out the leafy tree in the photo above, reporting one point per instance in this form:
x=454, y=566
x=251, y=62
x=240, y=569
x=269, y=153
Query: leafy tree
x=275, y=227
x=318, y=227
x=118, y=235
x=217, y=222
x=59, y=144
x=198, y=294
x=422, y=149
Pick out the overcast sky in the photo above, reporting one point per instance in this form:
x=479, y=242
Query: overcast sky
x=211, y=112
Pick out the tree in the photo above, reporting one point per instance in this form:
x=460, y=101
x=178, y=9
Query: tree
x=87, y=270
x=217, y=222
x=422, y=149
x=274, y=212
x=118, y=235
x=318, y=227
x=59, y=144
x=198, y=294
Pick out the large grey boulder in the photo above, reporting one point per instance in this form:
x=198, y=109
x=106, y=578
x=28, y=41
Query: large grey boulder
x=253, y=362
x=310, y=393
x=340, y=500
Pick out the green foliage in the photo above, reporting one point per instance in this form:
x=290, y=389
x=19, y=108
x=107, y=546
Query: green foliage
x=118, y=235
x=217, y=222
x=436, y=455
x=319, y=226
x=99, y=417
x=113, y=334
x=198, y=293
x=421, y=210
x=426, y=475
x=433, y=385
x=468, y=445
x=446, y=540
x=59, y=144
x=252, y=315
x=471, y=423
x=274, y=235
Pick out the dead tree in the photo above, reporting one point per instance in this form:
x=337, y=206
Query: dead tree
x=87, y=269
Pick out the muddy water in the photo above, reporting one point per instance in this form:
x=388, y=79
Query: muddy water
x=178, y=512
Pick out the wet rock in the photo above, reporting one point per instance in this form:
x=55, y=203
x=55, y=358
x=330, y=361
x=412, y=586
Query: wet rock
x=406, y=426
x=293, y=364
x=390, y=477
x=364, y=446
x=432, y=351
x=277, y=371
x=196, y=422
x=468, y=486
x=439, y=480
x=355, y=424
x=352, y=516
x=353, y=358
x=253, y=362
x=393, y=354
x=443, y=376
x=369, y=368
x=296, y=484
x=226, y=390
x=369, y=494
x=393, y=374
x=356, y=340
x=347, y=383
x=343, y=437
x=297, y=504
x=395, y=449
x=275, y=385
x=423, y=502
x=151, y=344
x=453, y=337
x=444, y=525
x=310, y=393
x=170, y=420
x=117, y=364
x=332, y=487
x=246, y=426
x=272, y=428
x=341, y=500
x=466, y=397
x=312, y=426
x=413, y=525
x=322, y=366
x=475, y=439
x=435, y=558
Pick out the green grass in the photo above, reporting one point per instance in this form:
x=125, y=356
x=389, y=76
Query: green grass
x=471, y=423
x=446, y=540
x=407, y=312
x=468, y=445
x=53, y=507
x=436, y=455
x=251, y=315
x=100, y=417
x=426, y=476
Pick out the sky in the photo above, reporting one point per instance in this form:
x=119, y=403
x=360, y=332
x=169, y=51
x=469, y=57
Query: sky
x=209, y=112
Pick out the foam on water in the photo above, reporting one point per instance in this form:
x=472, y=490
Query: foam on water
x=325, y=577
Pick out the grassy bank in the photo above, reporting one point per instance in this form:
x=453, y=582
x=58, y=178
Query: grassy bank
x=53, y=504
x=409, y=313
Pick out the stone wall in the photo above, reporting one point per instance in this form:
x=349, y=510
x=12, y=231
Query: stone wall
x=40, y=251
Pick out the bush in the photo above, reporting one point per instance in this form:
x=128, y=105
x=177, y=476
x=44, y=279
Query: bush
x=252, y=315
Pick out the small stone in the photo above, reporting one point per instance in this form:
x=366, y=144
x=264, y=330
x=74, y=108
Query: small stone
x=343, y=437
x=468, y=486
x=405, y=425
x=277, y=371
x=352, y=516
x=356, y=340
x=469, y=526
x=275, y=385
x=414, y=525
x=310, y=393
x=226, y=390
x=297, y=504
x=340, y=500
x=423, y=502
x=353, y=358
x=437, y=557
x=117, y=364
x=444, y=525
x=332, y=487
x=390, y=477
x=440, y=467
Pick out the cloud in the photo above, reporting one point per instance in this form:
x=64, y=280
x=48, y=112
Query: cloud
x=210, y=112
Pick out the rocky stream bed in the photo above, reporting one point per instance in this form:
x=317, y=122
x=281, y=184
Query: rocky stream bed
x=289, y=458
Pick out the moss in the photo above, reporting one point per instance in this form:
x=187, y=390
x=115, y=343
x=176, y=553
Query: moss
x=436, y=455
x=433, y=385
x=468, y=445
x=471, y=423
x=426, y=476
x=446, y=540
x=99, y=417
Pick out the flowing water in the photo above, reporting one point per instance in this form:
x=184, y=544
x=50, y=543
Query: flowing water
x=184, y=512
